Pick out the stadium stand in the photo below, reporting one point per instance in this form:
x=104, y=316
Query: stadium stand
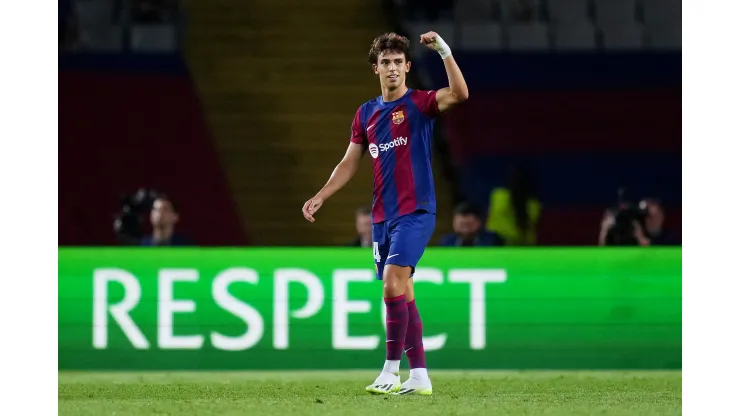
x=587, y=92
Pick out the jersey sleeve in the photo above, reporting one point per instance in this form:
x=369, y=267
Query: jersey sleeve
x=357, y=133
x=426, y=102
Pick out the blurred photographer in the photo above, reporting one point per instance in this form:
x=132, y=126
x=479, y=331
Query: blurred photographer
x=635, y=225
x=129, y=220
x=620, y=229
x=164, y=217
x=655, y=230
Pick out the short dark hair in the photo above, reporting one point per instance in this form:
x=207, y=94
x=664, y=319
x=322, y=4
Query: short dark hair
x=388, y=42
x=164, y=197
x=363, y=211
x=466, y=208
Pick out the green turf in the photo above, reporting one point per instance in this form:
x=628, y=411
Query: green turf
x=342, y=393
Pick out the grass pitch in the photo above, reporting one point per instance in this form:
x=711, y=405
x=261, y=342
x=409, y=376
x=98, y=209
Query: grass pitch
x=343, y=393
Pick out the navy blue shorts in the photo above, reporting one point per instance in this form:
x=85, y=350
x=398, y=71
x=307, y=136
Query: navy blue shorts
x=401, y=241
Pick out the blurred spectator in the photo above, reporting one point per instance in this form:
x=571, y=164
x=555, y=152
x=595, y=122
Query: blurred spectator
x=153, y=11
x=514, y=210
x=164, y=217
x=468, y=230
x=364, y=227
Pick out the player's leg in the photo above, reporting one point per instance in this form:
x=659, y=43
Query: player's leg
x=410, y=238
x=414, y=346
x=396, y=323
x=410, y=290
x=395, y=278
x=389, y=380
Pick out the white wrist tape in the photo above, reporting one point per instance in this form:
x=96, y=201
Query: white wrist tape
x=441, y=47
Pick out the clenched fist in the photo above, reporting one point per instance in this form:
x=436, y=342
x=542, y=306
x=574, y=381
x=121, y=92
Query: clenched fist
x=433, y=41
x=429, y=39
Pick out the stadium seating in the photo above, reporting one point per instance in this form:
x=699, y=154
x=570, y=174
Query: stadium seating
x=153, y=38
x=568, y=11
x=627, y=35
x=661, y=12
x=530, y=36
x=666, y=36
x=603, y=112
x=484, y=36
x=580, y=36
x=562, y=25
x=614, y=12
x=471, y=11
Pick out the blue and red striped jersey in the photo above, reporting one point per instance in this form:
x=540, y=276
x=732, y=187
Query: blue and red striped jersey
x=398, y=135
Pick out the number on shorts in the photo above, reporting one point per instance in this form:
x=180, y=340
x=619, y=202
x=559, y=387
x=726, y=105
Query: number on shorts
x=376, y=252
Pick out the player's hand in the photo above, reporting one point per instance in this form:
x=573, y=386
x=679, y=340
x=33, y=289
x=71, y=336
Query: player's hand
x=429, y=39
x=433, y=41
x=310, y=208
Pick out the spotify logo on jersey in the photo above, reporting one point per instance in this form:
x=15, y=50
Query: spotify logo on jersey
x=398, y=141
x=373, y=150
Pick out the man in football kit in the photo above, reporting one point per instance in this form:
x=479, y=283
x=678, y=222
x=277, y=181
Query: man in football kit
x=396, y=129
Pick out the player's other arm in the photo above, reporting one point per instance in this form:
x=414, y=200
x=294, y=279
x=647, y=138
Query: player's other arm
x=457, y=92
x=343, y=172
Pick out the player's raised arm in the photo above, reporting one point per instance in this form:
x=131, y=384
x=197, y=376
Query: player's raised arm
x=457, y=92
x=341, y=175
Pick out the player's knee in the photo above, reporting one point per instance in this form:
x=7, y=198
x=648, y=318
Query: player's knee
x=391, y=288
x=409, y=290
x=394, y=281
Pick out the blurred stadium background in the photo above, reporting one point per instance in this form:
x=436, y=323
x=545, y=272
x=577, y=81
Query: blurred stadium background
x=238, y=110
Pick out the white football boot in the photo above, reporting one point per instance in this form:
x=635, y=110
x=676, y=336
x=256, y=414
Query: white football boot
x=386, y=383
x=418, y=383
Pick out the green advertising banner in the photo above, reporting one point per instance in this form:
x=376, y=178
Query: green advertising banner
x=321, y=308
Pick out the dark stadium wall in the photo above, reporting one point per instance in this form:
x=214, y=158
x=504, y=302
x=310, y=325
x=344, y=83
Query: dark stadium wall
x=129, y=123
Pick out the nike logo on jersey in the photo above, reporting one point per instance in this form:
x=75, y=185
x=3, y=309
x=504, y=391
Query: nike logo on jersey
x=392, y=255
x=371, y=126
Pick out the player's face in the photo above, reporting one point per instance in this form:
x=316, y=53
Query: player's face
x=162, y=215
x=392, y=68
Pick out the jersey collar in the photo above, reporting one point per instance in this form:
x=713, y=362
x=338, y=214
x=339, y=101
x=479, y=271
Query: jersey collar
x=382, y=103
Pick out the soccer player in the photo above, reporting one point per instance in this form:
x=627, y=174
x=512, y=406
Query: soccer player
x=396, y=129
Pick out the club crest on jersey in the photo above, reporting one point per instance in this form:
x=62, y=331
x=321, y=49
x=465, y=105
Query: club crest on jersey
x=397, y=117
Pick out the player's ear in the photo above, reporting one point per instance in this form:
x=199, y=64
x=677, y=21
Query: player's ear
x=408, y=66
x=375, y=68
